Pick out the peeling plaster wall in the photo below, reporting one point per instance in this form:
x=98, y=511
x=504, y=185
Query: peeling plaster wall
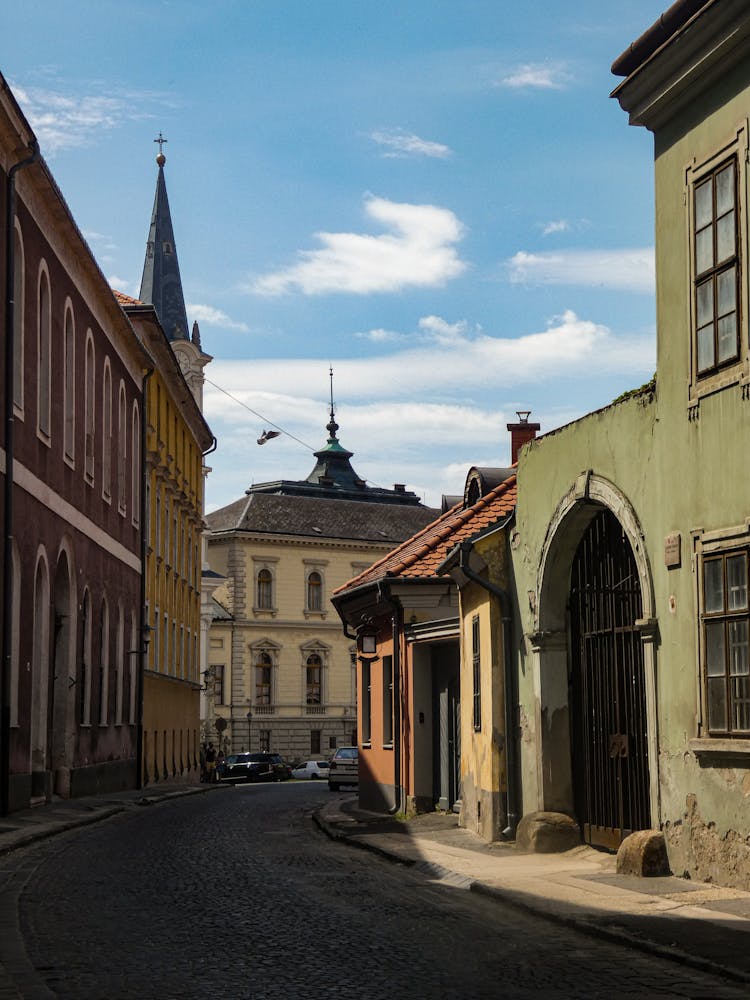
x=678, y=468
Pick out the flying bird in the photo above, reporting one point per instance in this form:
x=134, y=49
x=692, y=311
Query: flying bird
x=267, y=436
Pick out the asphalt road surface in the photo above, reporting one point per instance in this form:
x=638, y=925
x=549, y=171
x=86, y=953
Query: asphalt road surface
x=237, y=894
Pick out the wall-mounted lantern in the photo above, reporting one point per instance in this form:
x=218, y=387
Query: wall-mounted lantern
x=368, y=643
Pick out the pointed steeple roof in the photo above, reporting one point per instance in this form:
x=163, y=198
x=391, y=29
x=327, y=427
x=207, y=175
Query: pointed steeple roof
x=161, y=286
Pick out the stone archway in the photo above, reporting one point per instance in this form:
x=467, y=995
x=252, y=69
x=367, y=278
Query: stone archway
x=551, y=640
x=40, y=681
x=64, y=677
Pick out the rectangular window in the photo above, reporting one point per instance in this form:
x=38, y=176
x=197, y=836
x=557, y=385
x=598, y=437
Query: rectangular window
x=219, y=684
x=366, y=705
x=314, y=741
x=717, y=265
x=263, y=683
x=264, y=737
x=387, y=700
x=331, y=742
x=477, y=674
x=726, y=626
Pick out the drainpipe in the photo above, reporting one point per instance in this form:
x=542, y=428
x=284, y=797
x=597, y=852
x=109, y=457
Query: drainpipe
x=7, y=638
x=144, y=626
x=508, y=685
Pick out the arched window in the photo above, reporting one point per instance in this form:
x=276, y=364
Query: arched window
x=119, y=664
x=314, y=591
x=69, y=384
x=85, y=675
x=104, y=666
x=313, y=679
x=265, y=589
x=19, y=274
x=135, y=466
x=44, y=358
x=263, y=680
x=122, y=450
x=107, y=431
x=90, y=410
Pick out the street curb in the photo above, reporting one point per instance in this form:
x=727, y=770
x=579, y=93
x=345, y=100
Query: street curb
x=612, y=933
x=55, y=827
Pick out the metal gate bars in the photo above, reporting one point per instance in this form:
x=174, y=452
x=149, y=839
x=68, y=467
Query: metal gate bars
x=609, y=727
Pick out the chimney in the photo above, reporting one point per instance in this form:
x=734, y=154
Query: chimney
x=520, y=433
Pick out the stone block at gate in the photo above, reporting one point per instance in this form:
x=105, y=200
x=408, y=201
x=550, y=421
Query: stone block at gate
x=643, y=853
x=547, y=833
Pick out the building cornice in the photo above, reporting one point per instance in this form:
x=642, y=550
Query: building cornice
x=703, y=49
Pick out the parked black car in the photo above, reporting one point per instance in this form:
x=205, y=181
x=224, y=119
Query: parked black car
x=253, y=767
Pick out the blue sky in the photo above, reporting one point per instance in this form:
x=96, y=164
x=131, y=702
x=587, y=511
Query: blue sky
x=438, y=199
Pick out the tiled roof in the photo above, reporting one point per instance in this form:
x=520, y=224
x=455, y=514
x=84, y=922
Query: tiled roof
x=420, y=556
x=126, y=300
x=292, y=515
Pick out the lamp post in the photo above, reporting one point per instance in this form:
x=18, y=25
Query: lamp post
x=249, y=730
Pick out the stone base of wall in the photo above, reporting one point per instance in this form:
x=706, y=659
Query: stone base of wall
x=102, y=779
x=482, y=811
x=291, y=737
x=376, y=797
x=698, y=851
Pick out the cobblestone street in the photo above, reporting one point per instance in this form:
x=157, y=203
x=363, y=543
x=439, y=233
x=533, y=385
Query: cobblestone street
x=237, y=894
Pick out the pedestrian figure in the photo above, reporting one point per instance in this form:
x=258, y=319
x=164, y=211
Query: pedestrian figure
x=210, y=763
x=202, y=761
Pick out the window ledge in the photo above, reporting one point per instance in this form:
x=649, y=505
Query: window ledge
x=720, y=747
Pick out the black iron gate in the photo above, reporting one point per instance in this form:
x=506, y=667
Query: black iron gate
x=608, y=698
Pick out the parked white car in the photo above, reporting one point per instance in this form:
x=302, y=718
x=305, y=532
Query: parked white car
x=312, y=769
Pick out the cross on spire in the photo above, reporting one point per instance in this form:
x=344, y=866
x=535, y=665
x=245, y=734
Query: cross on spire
x=161, y=142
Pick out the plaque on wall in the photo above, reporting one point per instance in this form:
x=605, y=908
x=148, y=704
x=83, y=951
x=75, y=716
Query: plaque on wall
x=672, y=550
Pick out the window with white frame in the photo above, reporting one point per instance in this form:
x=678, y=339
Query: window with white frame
x=135, y=465
x=90, y=409
x=122, y=450
x=69, y=384
x=84, y=677
x=44, y=356
x=107, y=430
x=19, y=305
x=387, y=700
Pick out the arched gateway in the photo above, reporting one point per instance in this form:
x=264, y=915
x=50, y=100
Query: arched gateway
x=594, y=651
x=608, y=698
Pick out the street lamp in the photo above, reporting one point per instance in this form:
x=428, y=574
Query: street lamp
x=249, y=718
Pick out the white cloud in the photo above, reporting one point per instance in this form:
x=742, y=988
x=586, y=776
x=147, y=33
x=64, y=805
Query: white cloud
x=630, y=270
x=122, y=285
x=398, y=143
x=215, y=317
x=419, y=251
x=379, y=336
x=66, y=121
x=556, y=226
x=537, y=76
x=455, y=361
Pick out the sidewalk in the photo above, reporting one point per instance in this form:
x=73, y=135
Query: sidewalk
x=24, y=827
x=697, y=924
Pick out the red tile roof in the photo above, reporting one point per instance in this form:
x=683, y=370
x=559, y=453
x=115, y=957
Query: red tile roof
x=126, y=300
x=420, y=555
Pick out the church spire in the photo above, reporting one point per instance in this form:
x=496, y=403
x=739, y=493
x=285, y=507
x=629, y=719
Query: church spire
x=161, y=285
